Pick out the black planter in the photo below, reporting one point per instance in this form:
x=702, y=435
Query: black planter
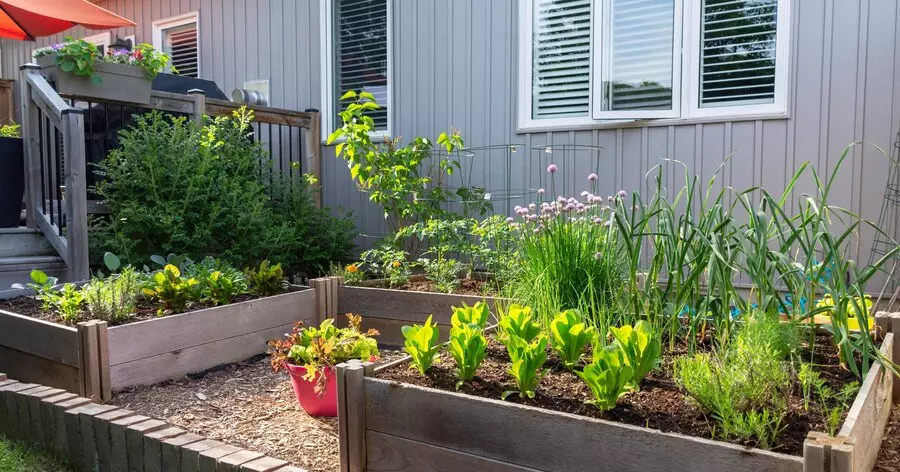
x=12, y=181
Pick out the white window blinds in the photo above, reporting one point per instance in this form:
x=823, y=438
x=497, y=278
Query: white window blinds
x=738, y=52
x=180, y=43
x=561, y=58
x=639, y=55
x=361, y=53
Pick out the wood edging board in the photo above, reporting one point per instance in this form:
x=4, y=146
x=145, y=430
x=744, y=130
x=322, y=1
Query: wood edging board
x=488, y=434
x=89, y=436
x=39, y=338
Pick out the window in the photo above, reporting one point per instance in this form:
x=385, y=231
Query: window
x=356, y=48
x=592, y=60
x=179, y=37
x=102, y=40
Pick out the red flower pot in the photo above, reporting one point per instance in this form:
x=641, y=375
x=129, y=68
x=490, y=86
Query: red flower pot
x=312, y=403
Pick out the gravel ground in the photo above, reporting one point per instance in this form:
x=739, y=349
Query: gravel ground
x=245, y=405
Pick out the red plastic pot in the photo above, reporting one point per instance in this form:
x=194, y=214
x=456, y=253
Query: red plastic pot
x=312, y=403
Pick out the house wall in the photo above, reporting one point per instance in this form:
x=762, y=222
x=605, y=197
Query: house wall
x=455, y=66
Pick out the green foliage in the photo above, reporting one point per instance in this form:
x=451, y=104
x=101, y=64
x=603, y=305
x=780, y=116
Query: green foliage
x=113, y=299
x=496, y=248
x=69, y=302
x=267, y=279
x=10, y=130
x=476, y=314
x=570, y=335
x=167, y=286
x=352, y=273
x=79, y=57
x=831, y=404
x=641, y=347
x=421, y=342
x=527, y=362
x=388, y=262
x=43, y=286
x=759, y=328
x=17, y=456
x=443, y=272
x=175, y=188
x=220, y=288
x=607, y=376
x=467, y=346
x=518, y=321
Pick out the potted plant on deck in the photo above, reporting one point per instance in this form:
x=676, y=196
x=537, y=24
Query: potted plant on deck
x=78, y=68
x=12, y=179
x=310, y=354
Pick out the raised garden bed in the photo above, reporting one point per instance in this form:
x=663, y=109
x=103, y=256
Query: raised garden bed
x=381, y=411
x=93, y=359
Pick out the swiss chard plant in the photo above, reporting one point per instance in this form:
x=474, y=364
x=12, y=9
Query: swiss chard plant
x=267, y=279
x=518, y=321
x=641, y=347
x=171, y=289
x=527, y=364
x=468, y=348
x=421, y=343
x=607, y=376
x=570, y=335
x=220, y=287
x=476, y=314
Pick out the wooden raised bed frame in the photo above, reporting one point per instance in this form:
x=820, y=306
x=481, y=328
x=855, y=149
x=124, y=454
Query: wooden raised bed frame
x=93, y=359
x=391, y=426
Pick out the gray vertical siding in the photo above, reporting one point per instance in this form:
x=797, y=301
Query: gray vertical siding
x=455, y=66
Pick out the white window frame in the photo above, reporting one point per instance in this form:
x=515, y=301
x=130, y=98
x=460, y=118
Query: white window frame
x=100, y=39
x=329, y=110
x=160, y=26
x=686, y=77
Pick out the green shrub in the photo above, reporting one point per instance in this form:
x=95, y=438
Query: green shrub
x=172, y=187
x=114, y=298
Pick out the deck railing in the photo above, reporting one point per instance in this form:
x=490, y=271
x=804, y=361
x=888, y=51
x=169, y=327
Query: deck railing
x=65, y=135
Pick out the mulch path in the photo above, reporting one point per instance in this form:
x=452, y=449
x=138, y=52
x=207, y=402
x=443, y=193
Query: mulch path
x=889, y=455
x=246, y=405
x=659, y=404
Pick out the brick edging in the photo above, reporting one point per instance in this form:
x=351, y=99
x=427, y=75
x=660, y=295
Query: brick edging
x=91, y=436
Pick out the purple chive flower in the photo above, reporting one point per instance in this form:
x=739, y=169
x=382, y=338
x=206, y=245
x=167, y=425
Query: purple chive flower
x=522, y=211
x=532, y=206
x=561, y=199
x=622, y=194
x=541, y=191
x=610, y=199
x=532, y=217
x=517, y=208
x=552, y=168
x=579, y=207
x=592, y=177
x=510, y=220
x=585, y=193
x=598, y=220
x=569, y=206
x=536, y=230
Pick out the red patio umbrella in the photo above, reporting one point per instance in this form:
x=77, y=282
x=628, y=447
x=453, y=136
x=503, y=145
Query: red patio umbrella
x=28, y=19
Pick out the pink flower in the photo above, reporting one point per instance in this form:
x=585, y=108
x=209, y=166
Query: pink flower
x=552, y=168
x=510, y=220
x=592, y=177
x=622, y=194
x=598, y=220
x=585, y=193
x=541, y=191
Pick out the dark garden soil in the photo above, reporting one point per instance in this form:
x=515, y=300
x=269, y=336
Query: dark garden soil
x=466, y=286
x=889, y=455
x=659, y=404
x=246, y=405
x=146, y=309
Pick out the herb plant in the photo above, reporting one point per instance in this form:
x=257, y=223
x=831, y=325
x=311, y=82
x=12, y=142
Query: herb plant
x=390, y=263
x=114, y=298
x=527, y=364
x=607, y=376
x=570, y=335
x=641, y=347
x=267, y=279
x=421, y=342
x=467, y=346
x=173, y=291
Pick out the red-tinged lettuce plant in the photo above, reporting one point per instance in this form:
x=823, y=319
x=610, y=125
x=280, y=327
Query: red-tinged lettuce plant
x=421, y=343
x=321, y=348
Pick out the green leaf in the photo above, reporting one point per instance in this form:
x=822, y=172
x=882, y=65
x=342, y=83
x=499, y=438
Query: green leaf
x=348, y=94
x=366, y=95
x=39, y=277
x=67, y=66
x=111, y=261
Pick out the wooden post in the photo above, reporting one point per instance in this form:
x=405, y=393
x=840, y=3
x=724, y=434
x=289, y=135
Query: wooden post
x=90, y=359
x=102, y=330
x=30, y=145
x=314, y=153
x=199, y=97
x=76, y=193
x=895, y=354
x=882, y=325
x=352, y=415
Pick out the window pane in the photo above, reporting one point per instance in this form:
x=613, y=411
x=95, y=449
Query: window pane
x=181, y=46
x=738, y=52
x=561, y=84
x=361, y=55
x=640, y=67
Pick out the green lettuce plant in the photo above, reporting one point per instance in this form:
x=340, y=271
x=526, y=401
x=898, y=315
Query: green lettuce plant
x=168, y=287
x=518, y=321
x=607, y=376
x=467, y=346
x=641, y=347
x=570, y=335
x=527, y=362
x=421, y=342
x=476, y=314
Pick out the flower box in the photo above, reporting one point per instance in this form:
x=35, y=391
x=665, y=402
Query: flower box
x=389, y=425
x=118, y=82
